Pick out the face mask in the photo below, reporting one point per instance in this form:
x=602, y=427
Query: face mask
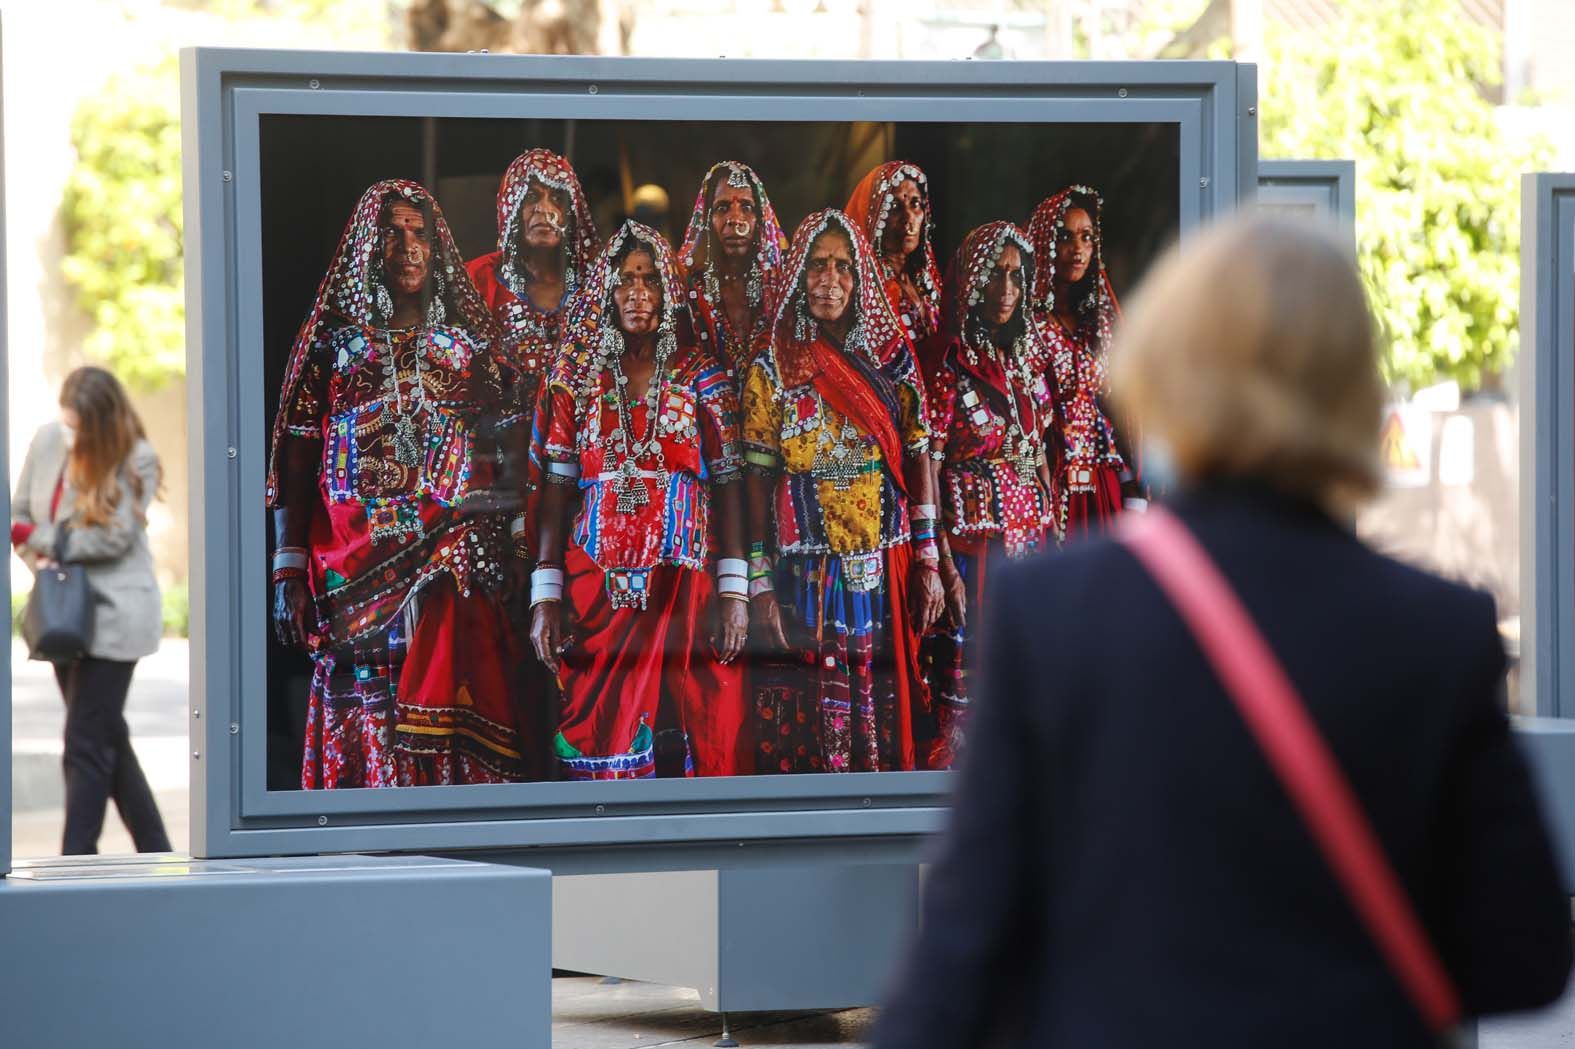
x=1159, y=465
x=69, y=433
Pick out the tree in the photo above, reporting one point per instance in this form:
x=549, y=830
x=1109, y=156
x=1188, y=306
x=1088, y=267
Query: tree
x=1399, y=87
x=122, y=216
x=543, y=27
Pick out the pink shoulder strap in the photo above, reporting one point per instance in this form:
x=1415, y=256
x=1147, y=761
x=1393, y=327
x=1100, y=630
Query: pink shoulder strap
x=1275, y=715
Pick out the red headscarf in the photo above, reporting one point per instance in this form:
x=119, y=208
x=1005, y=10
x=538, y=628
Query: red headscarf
x=591, y=309
x=870, y=206
x=580, y=240
x=1098, y=305
x=971, y=269
x=769, y=238
x=849, y=378
x=346, y=295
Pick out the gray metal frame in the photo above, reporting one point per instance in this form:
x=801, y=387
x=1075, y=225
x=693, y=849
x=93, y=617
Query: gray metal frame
x=5, y=507
x=1326, y=186
x=1547, y=442
x=224, y=92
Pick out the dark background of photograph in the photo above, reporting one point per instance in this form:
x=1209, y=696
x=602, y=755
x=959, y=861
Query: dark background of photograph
x=314, y=169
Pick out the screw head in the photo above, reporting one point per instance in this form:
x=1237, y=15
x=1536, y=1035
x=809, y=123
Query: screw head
x=228, y=177
x=1121, y=93
x=1204, y=182
x=231, y=452
x=235, y=729
x=314, y=83
x=1252, y=111
x=601, y=809
x=196, y=713
x=866, y=803
x=196, y=753
x=322, y=821
x=592, y=89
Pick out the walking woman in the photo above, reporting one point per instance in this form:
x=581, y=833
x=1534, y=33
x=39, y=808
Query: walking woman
x=83, y=497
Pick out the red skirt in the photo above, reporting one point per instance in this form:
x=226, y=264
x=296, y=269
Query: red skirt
x=643, y=692
x=425, y=700
x=1093, y=511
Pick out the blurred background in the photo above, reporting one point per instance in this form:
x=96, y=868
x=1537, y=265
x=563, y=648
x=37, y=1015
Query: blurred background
x=1441, y=103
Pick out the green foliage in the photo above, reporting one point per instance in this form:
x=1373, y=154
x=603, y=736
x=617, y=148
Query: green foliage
x=177, y=610
x=122, y=216
x=1398, y=86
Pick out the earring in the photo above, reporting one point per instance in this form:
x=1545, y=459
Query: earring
x=612, y=344
x=384, y=302
x=800, y=321
x=753, y=289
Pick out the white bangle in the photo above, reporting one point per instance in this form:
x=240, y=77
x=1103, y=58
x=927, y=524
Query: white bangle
x=517, y=526
x=732, y=584
x=1135, y=503
x=546, y=584
x=564, y=469
x=288, y=559
x=763, y=585
x=922, y=512
x=726, y=566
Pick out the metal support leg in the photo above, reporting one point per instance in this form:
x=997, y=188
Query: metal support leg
x=726, y=1041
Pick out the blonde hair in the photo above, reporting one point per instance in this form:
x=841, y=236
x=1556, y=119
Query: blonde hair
x=1251, y=353
x=108, y=428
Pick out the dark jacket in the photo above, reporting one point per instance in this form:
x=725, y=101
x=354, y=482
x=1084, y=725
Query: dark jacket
x=1123, y=867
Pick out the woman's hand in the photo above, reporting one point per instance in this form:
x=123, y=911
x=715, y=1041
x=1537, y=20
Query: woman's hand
x=291, y=605
x=929, y=599
x=732, y=628
x=546, y=632
x=768, y=619
x=956, y=594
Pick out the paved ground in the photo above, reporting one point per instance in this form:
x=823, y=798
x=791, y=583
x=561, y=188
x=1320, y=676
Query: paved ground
x=587, y=1014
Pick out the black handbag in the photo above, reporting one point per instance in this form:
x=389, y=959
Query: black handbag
x=57, y=624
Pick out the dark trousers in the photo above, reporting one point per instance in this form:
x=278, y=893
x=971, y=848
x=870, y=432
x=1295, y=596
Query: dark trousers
x=99, y=762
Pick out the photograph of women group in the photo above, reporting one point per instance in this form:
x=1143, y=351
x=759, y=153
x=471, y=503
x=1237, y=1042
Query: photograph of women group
x=572, y=479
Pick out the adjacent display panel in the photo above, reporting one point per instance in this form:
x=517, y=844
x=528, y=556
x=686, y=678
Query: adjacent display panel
x=1310, y=187
x=561, y=510
x=1547, y=442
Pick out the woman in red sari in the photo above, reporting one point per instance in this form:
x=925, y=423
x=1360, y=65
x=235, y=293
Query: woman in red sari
x=546, y=243
x=844, y=568
x=382, y=570
x=1073, y=309
x=891, y=207
x=731, y=255
x=992, y=406
x=640, y=432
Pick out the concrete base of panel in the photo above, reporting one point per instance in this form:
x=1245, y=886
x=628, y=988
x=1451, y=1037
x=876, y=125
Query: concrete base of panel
x=330, y=951
x=812, y=936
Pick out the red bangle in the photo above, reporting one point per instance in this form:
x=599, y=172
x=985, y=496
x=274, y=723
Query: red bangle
x=281, y=574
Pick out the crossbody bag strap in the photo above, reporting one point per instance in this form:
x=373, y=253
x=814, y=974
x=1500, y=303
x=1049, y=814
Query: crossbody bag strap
x=1278, y=720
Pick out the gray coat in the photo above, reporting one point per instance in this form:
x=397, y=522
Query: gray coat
x=128, y=615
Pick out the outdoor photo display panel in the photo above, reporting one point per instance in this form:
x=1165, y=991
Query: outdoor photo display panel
x=553, y=496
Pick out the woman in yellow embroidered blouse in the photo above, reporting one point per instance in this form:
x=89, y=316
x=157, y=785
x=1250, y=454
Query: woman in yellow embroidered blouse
x=843, y=570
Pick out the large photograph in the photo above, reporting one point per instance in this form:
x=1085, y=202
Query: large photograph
x=607, y=450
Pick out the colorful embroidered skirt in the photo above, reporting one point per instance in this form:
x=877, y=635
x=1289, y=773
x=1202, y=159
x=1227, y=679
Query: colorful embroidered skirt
x=844, y=699
x=949, y=656
x=425, y=700
x=643, y=693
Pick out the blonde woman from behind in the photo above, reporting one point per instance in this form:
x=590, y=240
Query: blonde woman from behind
x=1124, y=867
